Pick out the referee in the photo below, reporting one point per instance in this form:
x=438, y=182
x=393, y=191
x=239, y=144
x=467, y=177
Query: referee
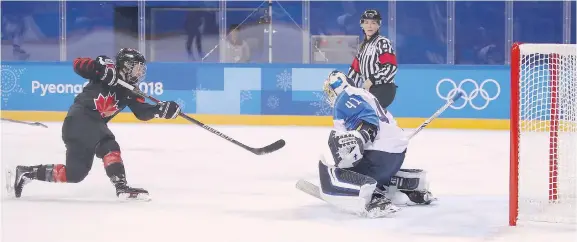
x=375, y=65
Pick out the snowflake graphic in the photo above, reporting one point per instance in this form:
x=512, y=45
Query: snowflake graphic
x=199, y=88
x=10, y=77
x=323, y=108
x=245, y=96
x=272, y=102
x=181, y=103
x=284, y=80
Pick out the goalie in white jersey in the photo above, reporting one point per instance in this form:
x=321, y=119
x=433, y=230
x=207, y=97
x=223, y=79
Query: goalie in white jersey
x=361, y=171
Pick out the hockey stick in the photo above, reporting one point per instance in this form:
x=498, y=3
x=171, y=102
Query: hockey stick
x=24, y=122
x=436, y=114
x=257, y=151
x=313, y=190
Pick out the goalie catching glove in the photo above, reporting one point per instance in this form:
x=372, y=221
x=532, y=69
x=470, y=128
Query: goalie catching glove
x=347, y=147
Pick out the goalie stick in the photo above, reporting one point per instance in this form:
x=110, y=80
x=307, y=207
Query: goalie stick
x=24, y=122
x=257, y=151
x=314, y=190
x=436, y=114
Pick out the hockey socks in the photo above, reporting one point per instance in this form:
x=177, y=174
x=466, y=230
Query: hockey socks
x=47, y=173
x=114, y=168
x=115, y=171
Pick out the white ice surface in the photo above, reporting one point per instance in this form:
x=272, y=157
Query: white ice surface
x=206, y=189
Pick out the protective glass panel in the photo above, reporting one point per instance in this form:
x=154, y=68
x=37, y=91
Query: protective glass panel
x=247, y=32
x=183, y=31
x=30, y=31
x=538, y=22
x=573, y=22
x=335, y=37
x=422, y=32
x=480, y=33
x=108, y=25
x=287, y=37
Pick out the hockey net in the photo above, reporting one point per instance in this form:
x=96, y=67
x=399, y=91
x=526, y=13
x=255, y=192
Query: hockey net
x=543, y=133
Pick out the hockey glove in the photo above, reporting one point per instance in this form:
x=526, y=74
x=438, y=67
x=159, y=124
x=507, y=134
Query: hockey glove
x=106, y=70
x=167, y=110
x=347, y=148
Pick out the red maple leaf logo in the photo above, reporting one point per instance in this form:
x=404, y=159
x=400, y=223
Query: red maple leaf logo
x=106, y=106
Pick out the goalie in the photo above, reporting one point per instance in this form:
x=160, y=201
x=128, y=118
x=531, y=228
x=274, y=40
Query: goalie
x=360, y=173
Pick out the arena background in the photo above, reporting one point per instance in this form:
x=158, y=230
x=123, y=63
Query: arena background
x=440, y=45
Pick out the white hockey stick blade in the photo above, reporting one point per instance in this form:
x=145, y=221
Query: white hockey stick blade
x=309, y=188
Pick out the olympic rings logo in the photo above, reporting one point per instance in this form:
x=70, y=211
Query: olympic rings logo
x=478, y=90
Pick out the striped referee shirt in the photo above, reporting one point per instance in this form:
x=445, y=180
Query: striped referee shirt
x=375, y=61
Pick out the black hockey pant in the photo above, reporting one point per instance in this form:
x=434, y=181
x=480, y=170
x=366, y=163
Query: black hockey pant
x=385, y=93
x=85, y=137
x=379, y=165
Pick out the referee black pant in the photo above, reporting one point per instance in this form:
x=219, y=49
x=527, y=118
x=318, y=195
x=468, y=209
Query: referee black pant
x=385, y=93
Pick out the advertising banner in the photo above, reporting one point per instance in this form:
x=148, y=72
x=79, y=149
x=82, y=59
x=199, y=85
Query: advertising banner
x=267, y=89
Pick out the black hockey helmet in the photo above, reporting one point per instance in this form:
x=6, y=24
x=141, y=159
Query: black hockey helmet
x=131, y=64
x=371, y=14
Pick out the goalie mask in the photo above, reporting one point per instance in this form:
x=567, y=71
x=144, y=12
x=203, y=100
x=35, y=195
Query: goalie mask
x=334, y=85
x=131, y=64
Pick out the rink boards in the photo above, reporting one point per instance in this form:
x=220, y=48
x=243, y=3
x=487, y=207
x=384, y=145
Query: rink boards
x=268, y=94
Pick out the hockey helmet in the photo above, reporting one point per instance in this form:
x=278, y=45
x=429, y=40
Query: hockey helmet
x=334, y=85
x=131, y=64
x=371, y=14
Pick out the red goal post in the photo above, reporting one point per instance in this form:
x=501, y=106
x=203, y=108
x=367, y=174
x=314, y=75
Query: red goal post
x=543, y=133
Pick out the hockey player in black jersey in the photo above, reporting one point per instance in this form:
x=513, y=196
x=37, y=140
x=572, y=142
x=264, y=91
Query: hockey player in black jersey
x=375, y=65
x=85, y=132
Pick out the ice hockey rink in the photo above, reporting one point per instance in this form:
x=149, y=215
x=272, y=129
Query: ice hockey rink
x=206, y=189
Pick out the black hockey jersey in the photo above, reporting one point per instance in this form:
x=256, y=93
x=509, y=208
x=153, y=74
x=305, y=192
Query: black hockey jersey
x=104, y=102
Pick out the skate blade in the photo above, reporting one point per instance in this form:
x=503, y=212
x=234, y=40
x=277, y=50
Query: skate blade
x=414, y=204
x=9, y=182
x=377, y=213
x=128, y=197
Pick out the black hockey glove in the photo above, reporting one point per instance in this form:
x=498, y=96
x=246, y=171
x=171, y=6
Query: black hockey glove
x=167, y=110
x=106, y=70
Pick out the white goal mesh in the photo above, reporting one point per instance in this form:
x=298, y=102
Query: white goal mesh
x=545, y=101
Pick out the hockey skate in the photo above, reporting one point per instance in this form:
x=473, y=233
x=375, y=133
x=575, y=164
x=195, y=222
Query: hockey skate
x=16, y=179
x=420, y=197
x=380, y=206
x=126, y=193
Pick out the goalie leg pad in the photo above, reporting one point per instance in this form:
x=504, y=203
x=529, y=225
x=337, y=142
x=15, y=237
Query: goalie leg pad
x=413, y=183
x=411, y=180
x=346, y=190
